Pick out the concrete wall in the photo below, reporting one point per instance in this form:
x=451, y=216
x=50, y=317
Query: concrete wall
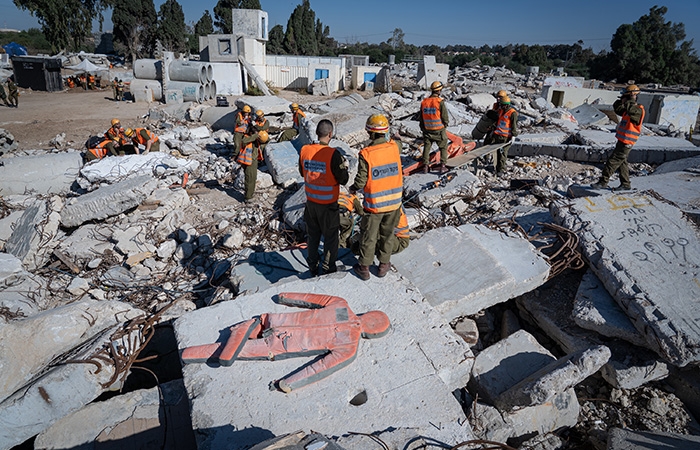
x=228, y=78
x=569, y=97
x=292, y=72
x=563, y=82
x=429, y=71
x=358, y=74
x=253, y=50
x=335, y=75
x=681, y=111
x=218, y=48
x=250, y=23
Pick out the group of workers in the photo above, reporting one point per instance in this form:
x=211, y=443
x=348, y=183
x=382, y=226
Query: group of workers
x=87, y=81
x=11, y=98
x=118, y=141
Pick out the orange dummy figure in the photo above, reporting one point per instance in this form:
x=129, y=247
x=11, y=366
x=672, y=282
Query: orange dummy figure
x=329, y=329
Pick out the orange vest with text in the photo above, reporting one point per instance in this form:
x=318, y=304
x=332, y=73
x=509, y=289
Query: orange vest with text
x=401, y=230
x=430, y=109
x=384, y=187
x=319, y=182
x=503, y=127
x=139, y=139
x=627, y=132
x=241, y=124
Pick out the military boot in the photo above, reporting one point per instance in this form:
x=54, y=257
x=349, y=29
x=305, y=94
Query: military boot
x=383, y=269
x=361, y=271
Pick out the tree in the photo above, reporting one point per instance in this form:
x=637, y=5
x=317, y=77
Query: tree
x=205, y=25
x=134, y=25
x=396, y=39
x=650, y=50
x=66, y=24
x=275, y=41
x=300, y=38
x=171, y=26
x=224, y=16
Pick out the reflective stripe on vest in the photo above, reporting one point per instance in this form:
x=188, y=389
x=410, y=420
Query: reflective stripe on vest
x=138, y=138
x=241, y=124
x=430, y=109
x=245, y=156
x=100, y=151
x=401, y=230
x=319, y=182
x=346, y=201
x=384, y=187
x=627, y=132
x=504, y=126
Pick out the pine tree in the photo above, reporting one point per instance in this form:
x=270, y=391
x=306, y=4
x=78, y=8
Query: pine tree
x=134, y=26
x=171, y=26
x=205, y=25
x=275, y=41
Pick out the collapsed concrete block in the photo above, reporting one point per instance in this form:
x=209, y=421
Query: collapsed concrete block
x=691, y=164
x=340, y=103
x=542, y=138
x=481, y=102
x=421, y=349
x=142, y=418
x=49, y=334
x=132, y=241
x=51, y=173
x=596, y=310
x=410, y=128
x=681, y=188
x=554, y=379
x=283, y=163
x=269, y=104
x=293, y=210
x=32, y=241
x=499, y=268
x=587, y=115
x=7, y=225
x=622, y=439
x=87, y=242
x=108, y=201
x=419, y=187
x=350, y=122
x=113, y=169
x=21, y=292
x=646, y=253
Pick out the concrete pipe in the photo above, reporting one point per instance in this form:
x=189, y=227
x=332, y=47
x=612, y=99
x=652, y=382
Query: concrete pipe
x=212, y=90
x=148, y=69
x=191, y=71
x=210, y=72
x=138, y=84
x=191, y=92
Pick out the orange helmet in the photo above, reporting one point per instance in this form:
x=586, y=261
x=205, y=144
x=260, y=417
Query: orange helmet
x=246, y=109
x=129, y=132
x=377, y=123
x=260, y=113
x=632, y=89
x=294, y=106
x=116, y=122
x=436, y=86
x=263, y=137
x=501, y=94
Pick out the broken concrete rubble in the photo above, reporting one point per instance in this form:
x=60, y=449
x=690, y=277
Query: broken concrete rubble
x=51, y=173
x=419, y=188
x=621, y=439
x=111, y=170
x=32, y=241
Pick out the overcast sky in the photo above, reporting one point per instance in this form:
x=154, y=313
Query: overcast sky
x=451, y=21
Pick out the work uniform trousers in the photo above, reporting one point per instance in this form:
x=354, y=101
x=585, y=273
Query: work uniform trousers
x=618, y=162
x=250, y=174
x=322, y=220
x=502, y=153
x=376, y=232
x=3, y=96
x=288, y=135
x=440, y=138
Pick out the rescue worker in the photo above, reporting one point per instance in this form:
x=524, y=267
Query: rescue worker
x=142, y=136
x=3, y=96
x=349, y=205
x=297, y=116
x=379, y=174
x=120, y=90
x=505, y=129
x=241, y=128
x=70, y=83
x=248, y=158
x=117, y=142
x=324, y=169
x=627, y=133
x=91, y=82
x=499, y=95
x=434, y=120
x=83, y=81
x=328, y=329
x=114, y=88
x=97, y=152
x=400, y=239
x=260, y=123
x=12, y=92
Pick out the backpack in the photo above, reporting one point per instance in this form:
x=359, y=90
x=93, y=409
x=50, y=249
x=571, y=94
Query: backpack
x=94, y=141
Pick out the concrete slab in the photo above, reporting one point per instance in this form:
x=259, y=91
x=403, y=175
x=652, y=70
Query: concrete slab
x=647, y=253
x=339, y=103
x=270, y=104
x=108, y=201
x=464, y=184
x=621, y=439
x=350, y=122
x=293, y=210
x=681, y=188
x=499, y=268
x=21, y=292
x=52, y=173
x=686, y=386
x=691, y=164
x=263, y=269
x=586, y=115
x=481, y=102
x=596, y=310
x=629, y=366
x=138, y=419
x=32, y=240
x=283, y=163
x=115, y=169
x=7, y=226
x=415, y=367
x=542, y=138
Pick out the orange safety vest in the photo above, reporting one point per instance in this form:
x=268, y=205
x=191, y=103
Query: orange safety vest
x=319, y=182
x=241, y=123
x=346, y=201
x=627, y=132
x=297, y=118
x=401, y=230
x=140, y=140
x=430, y=109
x=504, y=126
x=245, y=156
x=119, y=138
x=100, y=151
x=384, y=186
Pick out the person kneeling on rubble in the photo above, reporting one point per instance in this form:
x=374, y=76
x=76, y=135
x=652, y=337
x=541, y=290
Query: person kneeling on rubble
x=297, y=116
x=118, y=144
x=142, y=136
x=248, y=158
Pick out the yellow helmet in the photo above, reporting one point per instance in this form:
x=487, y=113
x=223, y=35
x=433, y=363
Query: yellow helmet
x=128, y=132
x=246, y=109
x=632, y=89
x=501, y=94
x=504, y=100
x=377, y=123
x=436, y=86
x=294, y=106
x=263, y=137
x=259, y=113
x=115, y=122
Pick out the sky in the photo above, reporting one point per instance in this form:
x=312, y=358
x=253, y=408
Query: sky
x=450, y=21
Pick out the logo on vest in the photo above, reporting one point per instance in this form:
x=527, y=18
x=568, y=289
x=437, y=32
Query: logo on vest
x=387, y=170
x=431, y=111
x=314, y=166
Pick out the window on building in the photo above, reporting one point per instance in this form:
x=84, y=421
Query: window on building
x=321, y=73
x=263, y=30
x=224, y=46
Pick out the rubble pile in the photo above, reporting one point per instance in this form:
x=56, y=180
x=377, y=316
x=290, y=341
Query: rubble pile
x=107, y=264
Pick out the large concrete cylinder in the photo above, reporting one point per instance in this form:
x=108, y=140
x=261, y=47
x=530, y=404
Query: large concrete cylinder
x=222, y=118
x=148, y=69
x=191, y=92
x=212, y=90
x=210, y=72
x=154, y=85
x=192, y=71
